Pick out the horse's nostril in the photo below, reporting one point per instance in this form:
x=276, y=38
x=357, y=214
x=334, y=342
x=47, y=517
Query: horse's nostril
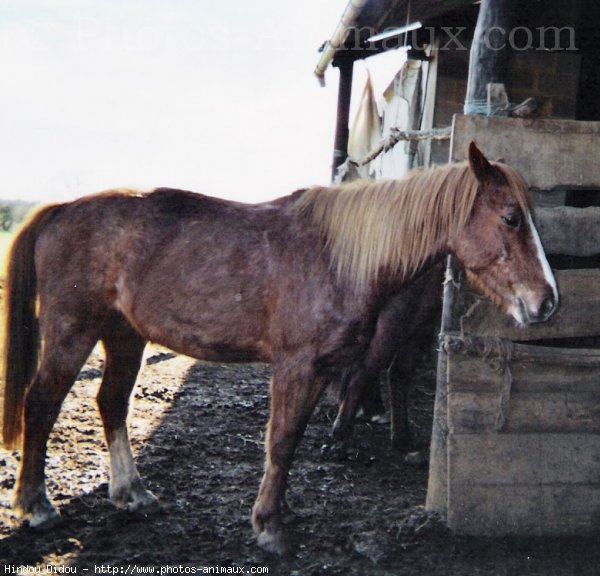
x=547, y=307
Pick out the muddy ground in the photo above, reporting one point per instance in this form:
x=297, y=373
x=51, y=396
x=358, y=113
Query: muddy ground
x=197, y=429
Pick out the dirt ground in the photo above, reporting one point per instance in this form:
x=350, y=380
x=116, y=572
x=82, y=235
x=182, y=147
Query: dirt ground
x=197, y=429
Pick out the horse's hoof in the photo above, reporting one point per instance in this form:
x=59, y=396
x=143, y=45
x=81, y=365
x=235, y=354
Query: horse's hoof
x=380, y=418
x=150, y=507
x=419, y=458
x=339, y=451
x=43, y=516
x=145, y=502
x=134, y=498
x=272, y=542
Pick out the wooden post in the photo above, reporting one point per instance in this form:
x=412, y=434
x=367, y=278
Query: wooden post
x=342, y=130
x=489, y=50
x=437, y=487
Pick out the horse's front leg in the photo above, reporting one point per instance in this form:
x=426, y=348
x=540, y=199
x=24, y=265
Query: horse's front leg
x=293, y=398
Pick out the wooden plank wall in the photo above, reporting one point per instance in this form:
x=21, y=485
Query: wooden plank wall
x=551, y=390
x=524, y=484
x=548, y=153
x=538, y=472
x=518, y=451
x=569, y=231
x=578, y=315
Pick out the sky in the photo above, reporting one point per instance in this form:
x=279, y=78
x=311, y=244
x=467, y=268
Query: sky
x=217, y=97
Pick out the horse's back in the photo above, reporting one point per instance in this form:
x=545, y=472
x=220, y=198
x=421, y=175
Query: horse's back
x=208, y=287
x=124, y=228
x=187, y=270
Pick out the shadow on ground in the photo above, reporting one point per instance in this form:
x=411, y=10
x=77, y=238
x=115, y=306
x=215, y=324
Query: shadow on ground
x=356, y=511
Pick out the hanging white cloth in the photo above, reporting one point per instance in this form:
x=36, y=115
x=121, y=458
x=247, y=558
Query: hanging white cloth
x=401, y=109
x=365, y=132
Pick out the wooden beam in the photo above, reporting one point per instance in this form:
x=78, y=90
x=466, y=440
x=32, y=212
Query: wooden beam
x=488, y=56
x=569, y=231
x=437, y=486
x=524, y=484
x=578, y=315
x=552, y=390
x=342, y=129
x=547, y=153
x=404, y=135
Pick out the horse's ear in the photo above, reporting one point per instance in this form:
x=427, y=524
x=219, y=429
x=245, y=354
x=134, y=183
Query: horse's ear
x=479, y=163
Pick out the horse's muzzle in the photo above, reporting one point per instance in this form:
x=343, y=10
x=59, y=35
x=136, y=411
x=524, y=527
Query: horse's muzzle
x=544, y=311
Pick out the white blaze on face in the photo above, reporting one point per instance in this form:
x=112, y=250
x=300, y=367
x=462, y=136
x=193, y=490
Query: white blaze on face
x=543, y=260
x=521, y=308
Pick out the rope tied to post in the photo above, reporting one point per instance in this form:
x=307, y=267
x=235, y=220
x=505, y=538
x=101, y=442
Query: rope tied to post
x=497, y=353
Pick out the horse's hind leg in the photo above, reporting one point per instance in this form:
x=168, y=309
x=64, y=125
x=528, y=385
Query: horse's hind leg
x=124, y=348
x=360, y=378
x=398, y=377
x=61, y=361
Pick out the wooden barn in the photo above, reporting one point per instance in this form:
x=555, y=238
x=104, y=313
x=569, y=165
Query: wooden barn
x=516, y=433
x=544, y=50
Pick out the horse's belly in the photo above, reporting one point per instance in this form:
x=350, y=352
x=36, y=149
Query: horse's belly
x=218, y=324
x=220, y=339
x=217, y=352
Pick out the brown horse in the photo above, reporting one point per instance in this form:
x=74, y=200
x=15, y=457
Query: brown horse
x=298, y=282
x=404, y=329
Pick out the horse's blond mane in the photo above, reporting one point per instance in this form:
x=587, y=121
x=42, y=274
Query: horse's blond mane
x=395, y=226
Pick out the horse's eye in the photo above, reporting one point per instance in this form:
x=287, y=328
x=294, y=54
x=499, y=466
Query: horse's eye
x=512, y=220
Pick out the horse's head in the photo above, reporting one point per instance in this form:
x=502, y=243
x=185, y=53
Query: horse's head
x=500, y=248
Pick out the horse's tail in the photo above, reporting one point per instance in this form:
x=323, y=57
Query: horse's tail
x=21, y=338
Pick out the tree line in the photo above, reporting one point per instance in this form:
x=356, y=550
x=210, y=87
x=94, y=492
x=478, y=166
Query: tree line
x=13, y=212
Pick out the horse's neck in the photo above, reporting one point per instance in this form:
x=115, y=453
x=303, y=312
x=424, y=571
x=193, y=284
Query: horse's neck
x=390, y=285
